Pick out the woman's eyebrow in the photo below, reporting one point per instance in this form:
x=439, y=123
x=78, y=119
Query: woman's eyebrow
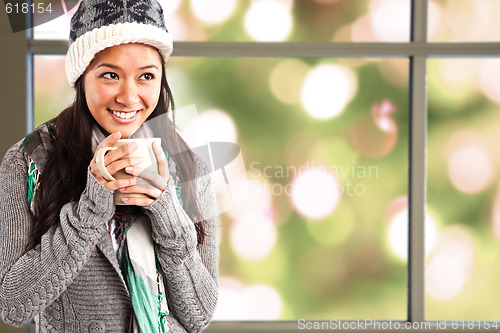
x=149, y=66
x=108, y=65
x=117, y=67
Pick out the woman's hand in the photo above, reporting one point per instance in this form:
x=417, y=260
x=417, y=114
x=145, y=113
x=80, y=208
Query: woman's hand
x=113, y=161
x=159, y=181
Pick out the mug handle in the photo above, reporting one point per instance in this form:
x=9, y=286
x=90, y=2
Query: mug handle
x=99, y=160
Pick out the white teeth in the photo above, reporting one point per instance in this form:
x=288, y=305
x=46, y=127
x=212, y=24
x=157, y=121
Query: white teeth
x=124, y=115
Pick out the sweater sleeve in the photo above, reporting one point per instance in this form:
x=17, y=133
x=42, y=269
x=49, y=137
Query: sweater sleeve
x=191, y=270
x=31, y=280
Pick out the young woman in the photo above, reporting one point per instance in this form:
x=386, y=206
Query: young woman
x=70, y=258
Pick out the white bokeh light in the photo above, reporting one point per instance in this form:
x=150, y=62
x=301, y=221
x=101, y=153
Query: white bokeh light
x=489, y=73
x=230, y=305
x=253, y=237
x=434, y=20
x=451, y=263
x=327, y=89
x=390, y=20
x=247, y=302
x=264, y=302
x=397, y=234
x=213, y=11
x=257, y=201
x=470, y=20
x=268, y=21
x=315, y=192
x=470, y=169
x=212, y=125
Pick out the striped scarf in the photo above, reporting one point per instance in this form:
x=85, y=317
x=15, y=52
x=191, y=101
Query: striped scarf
x=141, y=271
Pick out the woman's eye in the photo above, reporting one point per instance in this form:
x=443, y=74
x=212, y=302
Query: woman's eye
x=109, y=75
x=147, y=76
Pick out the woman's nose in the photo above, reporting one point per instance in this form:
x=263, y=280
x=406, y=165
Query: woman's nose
x=128, y=94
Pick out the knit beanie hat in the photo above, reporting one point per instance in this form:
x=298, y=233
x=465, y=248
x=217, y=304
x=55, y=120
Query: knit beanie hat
x=99, y=24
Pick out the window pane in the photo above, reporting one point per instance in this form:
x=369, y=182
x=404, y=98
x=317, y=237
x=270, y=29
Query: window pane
x=462, y=271
x=464, y=21
x=309, y=129
x=52, y=92
x=322, y=232
x=275, y=20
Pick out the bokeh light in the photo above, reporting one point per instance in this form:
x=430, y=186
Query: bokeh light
x=286, y=80
x=434, y=19
x=253, y=237
x=386, y=24
x=468, y=18
x=268, y=21
x=375, y=134
x=382, y=113
x=395, y=71
x=467, y=21
x=212, y=125
x=362, y=31
x=451, y=263
x=238, y=301
x=489, y=73
x=327, y=89
x=470, y=167
x=230, y=305
x=397, y=234
x=258, y=201
x=264, y=302
x=315, y=192
x=213, y=11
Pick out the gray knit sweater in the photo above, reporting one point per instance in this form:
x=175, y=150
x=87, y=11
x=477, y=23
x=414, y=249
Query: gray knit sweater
x=73, y=282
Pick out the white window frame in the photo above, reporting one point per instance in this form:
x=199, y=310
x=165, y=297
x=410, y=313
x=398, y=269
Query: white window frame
x=17, y=63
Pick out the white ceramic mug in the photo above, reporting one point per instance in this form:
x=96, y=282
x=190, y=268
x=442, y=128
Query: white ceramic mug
x=150, y=163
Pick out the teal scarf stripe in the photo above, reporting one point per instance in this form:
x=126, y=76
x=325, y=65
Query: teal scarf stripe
x=144, y=302
x=30, y=179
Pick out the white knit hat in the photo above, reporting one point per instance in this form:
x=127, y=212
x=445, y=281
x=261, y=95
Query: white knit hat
x=99, y=24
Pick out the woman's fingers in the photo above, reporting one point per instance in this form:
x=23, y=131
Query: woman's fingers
x=151, y=176
x=148, y=190
x=118, y=154
x=118, y=165
x=120, y=183
x=138, y=201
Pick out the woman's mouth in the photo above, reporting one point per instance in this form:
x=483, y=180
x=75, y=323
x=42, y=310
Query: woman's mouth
x=124, y=117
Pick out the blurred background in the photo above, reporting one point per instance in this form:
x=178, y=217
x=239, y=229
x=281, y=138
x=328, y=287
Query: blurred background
x=323, y=231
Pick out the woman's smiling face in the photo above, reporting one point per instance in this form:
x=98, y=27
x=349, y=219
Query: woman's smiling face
x=122, y=86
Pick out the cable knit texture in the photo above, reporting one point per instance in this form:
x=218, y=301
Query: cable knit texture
x=73, y=281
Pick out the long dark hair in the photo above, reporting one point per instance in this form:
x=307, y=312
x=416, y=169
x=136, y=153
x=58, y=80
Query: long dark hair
x=71, y=133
